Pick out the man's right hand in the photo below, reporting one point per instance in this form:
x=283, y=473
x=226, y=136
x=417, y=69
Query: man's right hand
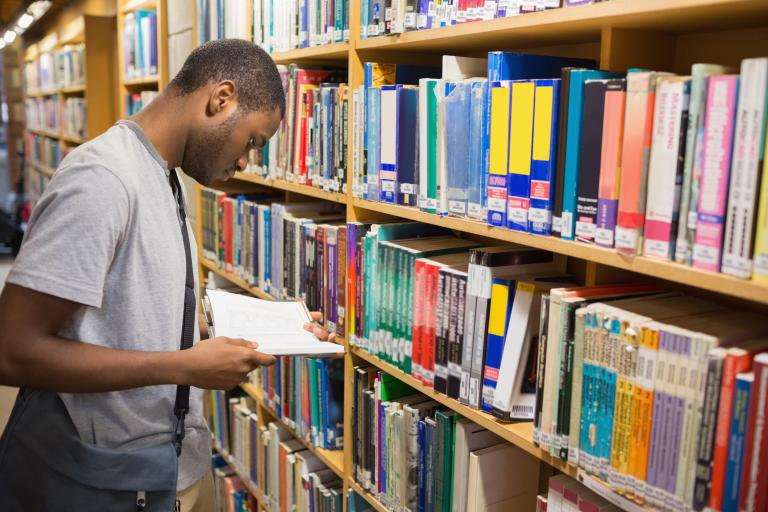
x=222, y=363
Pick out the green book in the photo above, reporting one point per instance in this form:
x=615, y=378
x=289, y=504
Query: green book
x=446, y=424
x=314, y=389
x=432, y=145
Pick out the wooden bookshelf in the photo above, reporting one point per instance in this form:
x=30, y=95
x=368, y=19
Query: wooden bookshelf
x=657, y=34
x=93, y=25
x=155, y=82
x=305, y=190
x=252, y=488
x=258, y=292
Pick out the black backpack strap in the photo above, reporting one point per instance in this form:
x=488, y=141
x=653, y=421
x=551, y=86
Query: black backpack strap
x=188, y=326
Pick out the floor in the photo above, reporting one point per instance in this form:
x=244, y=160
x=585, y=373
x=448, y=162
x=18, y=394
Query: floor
x=7, y=395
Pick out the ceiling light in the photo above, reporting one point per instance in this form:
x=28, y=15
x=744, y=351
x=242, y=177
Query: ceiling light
x=25, y=20
x=9, y=36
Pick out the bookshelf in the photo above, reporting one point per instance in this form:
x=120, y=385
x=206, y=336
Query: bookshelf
x=141, y=81
x=90, y=27
x=658, y=34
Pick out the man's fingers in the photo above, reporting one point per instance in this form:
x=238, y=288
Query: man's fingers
x=260, y=359
x=316, y=316
x=242, y=343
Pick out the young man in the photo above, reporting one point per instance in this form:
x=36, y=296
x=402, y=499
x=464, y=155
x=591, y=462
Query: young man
x=93, y=307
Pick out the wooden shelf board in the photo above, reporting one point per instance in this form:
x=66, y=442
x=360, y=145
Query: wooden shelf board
x=40, y=94
x=577, y=24
x=334, y=459
x=233, y=278
x=370, y=498
x=45, y=133
x=519, y=434
x=132, y=5
x=141, y=81
x=306, y=190
x=72, y=89
x=332, y=51
x=71, y=139
x=231, y=461
x=669, y=271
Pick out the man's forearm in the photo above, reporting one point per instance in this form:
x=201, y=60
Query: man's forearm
x=57, y=364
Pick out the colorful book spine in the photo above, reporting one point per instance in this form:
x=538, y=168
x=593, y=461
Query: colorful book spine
x=520, y=145
x=760, y=267
x=544, y=157
x=715, y=171
x=610, y=169
x=501, y=103
x=736, y=443
x=665, y=168
x=389, y=144
x=754, y=491
x=502, y=294
x=748, y=154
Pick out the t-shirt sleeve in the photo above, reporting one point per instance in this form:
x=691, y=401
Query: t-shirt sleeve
x=73, y=234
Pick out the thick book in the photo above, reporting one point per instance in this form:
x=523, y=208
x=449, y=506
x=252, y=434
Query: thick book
x=278, y=327
x=520, y=146
x=544, y=158
x=715, y=171
x=610, y=173
x=502, y=297
x=689, y=195
x=736, y=442
x=748, y=154
x=665, y=170
x=498, y=161
x=754, y=491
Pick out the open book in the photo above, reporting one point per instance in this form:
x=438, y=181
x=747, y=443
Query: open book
x=277, y=326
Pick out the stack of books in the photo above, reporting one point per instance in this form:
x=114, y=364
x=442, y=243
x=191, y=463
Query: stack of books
x=140, y=43
x=70, y=65
x=136, y=101
x=43, y=113
x=74, y=118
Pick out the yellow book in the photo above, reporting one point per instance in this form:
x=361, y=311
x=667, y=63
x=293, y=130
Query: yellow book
x=520, y=147
x=760, y=271
x=498, y=156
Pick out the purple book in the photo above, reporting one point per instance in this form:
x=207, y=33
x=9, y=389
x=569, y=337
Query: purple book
x=678, y=411
x=659, y=417
x=153, y=43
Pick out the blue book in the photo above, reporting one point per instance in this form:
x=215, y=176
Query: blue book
x=458, y=144
x=373, y=124
x=571, y=166
x=152, y=40
x=431, y=448
x=220, y=10
x=338, y=19
x=253, y=276
x=476, y=181
x=502, y=296
x=303, y=23
x=422, y=440
x=520, y=66
x=322, y=380
x=407, y=149
x=544, y=155
x=736, y=444
x=267, y=248
x=497, y=166
x=335, y=391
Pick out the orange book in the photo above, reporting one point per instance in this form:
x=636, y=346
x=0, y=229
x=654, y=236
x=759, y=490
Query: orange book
x=610, y=158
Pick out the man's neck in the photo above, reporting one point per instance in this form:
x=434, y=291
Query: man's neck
x=164, y=123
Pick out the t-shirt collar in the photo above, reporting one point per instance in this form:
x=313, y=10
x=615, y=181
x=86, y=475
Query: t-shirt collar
x=136, y=129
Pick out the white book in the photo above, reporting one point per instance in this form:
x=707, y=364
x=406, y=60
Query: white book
x=388, y=144
x=469, y=437
x=277, y=326
x=442, y=164
x=460, y=68
x=665, y=166
x=509, y=401
x=747, y=146
x=502, y=478
x=423, y=141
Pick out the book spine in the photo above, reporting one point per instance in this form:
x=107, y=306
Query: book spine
x=520, y=145
x=544, y=157
x=541, y=368
x=748, y=146
x=707, y=428
x=753, y=485
x=388, y=170
x=501, y=99
x=718, y=141
x=589, y=163
x=497, y=326
x=665, y=168
x=441, y=338
x=736, y=442
x=455, y=351
x=608, y=188
x=760, y=265
x=469, y=329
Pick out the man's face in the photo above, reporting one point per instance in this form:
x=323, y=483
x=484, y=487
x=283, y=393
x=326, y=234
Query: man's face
x=216, y=151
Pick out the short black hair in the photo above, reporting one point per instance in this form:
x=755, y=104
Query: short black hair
x=257, y=81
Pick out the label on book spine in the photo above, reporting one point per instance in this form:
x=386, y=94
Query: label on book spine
x=604, y=237
x=626, y=238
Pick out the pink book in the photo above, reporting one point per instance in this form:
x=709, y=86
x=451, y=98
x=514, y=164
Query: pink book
x=608, y=190
x=715, y=171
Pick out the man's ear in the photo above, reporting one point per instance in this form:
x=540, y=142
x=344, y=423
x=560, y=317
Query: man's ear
x=223, y=98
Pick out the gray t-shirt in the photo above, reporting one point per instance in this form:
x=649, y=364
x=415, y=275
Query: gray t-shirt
x=106, y=234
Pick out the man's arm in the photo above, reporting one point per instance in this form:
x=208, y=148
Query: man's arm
x=32, y=355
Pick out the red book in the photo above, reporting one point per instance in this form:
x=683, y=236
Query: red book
x=419, y=271
x=305, y=79
x=736, y=361
x=754, y=486
x=430, y=325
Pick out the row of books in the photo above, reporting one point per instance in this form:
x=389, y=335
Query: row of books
x=310, y=147
x=307, y=394
x=565, y=494
x=43, y=150
x=140, y=43
x=429, y=304
x=275, y=26
x=383, y=17
x=56, y=69
x=74, y=117
x=291, y=251
x=413, y=454
x=136, y=101
x=660, y=395
x=230, y=492
x=518, y=149
x=43, y=113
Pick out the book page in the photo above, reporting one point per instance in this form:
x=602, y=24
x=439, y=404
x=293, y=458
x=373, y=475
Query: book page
x=277, y=326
